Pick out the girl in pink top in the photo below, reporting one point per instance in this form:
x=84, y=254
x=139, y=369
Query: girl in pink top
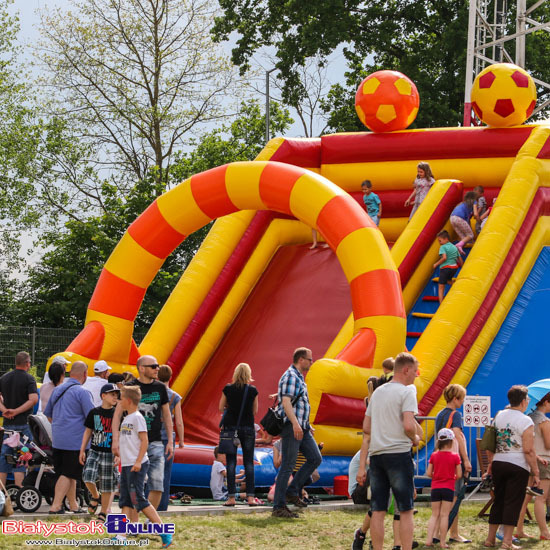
x=444, y=469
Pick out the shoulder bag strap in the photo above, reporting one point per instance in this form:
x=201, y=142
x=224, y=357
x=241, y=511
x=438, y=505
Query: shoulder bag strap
x=450, y=420
x=61, y=395
x=242, y=407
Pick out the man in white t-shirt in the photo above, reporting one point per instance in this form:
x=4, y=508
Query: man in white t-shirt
x=217, y=476
x=389, y=432
x=94, y=383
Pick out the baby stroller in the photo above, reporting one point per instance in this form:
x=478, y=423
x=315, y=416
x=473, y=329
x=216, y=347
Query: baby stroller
x=40, y=479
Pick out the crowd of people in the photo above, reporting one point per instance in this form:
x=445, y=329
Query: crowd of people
x=131, y=430
x=112, y=431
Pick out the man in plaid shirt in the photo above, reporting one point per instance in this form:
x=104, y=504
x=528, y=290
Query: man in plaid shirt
x=296, y=435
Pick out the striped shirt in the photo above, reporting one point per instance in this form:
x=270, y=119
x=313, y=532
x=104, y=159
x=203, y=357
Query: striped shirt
x=293, y=385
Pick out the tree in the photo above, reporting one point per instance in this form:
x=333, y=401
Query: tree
x=241, y=140
x=425, y=39
x=59, y=287
x=133, y=78
x=19, y=135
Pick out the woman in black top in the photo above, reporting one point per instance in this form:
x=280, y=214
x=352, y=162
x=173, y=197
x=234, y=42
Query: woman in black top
x=230, y=405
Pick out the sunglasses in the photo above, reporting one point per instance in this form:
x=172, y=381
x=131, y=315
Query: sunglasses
x=155, y=366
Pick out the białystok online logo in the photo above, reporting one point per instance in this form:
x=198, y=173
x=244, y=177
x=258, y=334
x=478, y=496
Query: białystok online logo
x=119, y=524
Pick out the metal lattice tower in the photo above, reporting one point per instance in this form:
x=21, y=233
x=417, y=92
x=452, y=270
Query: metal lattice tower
x=487, y=34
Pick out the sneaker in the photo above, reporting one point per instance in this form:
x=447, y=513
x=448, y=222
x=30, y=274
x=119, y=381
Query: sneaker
x=166, y=540
x=535, y=491
x=296, y=500
x=500, y=536
x=283, y=513
x=358, y=540
x=415, y=544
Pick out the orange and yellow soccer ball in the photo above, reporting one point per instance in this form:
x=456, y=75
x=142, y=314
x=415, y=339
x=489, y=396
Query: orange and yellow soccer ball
x=387, y=101
x=503, y=95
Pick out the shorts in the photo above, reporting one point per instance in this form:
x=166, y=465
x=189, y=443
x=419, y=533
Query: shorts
x=136, y=481
x=442, y=495
x=446, y=275
x=100, y=469
x=66, y=464
x=155, y=474
x=5, y=466
x=544, y=470
x=393, y=471
x=375, y=219
x=462, y=227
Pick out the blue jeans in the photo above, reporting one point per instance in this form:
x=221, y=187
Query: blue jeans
x=246, y=437
x=165, y=499
x=135, y=480
x=395, y=471
x=6, y=468
x=289, y=451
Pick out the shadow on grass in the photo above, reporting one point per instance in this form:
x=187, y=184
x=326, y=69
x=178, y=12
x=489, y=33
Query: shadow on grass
x=262, y=523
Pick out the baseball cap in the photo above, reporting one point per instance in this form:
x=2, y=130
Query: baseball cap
x=101, y=366
x=445, y=434
x=61, y=360
x=107, y=388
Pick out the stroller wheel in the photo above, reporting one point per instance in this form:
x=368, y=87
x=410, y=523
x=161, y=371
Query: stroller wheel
x=29, y=499
x=12, y=492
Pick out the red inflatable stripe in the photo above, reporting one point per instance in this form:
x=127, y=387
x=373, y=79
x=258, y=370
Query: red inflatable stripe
x=335, y=232
x=544, y=153
x=425, y=145
x=117, y=297
x=210, y=193
x=154, y=233
x=539, y=207
x=275, y=187
x=374, y=293
x=335, y=410
x=299, y=152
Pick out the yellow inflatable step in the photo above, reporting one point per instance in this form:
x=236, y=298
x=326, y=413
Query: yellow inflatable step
x=423, y=315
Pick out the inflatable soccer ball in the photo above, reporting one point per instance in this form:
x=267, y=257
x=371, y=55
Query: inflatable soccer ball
x=503, y=95
x=386, y=101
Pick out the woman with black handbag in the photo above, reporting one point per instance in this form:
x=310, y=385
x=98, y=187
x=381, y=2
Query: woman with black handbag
x=239, y=404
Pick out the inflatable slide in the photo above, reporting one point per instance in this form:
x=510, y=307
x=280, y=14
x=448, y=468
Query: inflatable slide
x=255, y=290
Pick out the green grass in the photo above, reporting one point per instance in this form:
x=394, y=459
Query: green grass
x=315, y=530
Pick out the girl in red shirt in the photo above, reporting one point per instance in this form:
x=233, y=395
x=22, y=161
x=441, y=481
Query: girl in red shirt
x=444, y=468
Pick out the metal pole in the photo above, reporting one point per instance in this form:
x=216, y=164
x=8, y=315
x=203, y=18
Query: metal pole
x=470, y=64
x=33, y=349
x=520, y=28
x=267, y=73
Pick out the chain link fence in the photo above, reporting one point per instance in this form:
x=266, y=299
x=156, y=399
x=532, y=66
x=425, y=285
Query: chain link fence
x=40, y=342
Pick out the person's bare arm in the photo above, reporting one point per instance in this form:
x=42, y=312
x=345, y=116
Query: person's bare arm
x=411, y=197
x=528, y=442
x=545, y=431
x=430, y=470
x=362, y=471
x=289, y=411
x=178, y=420
x=143, y=444
x=85, y=438
x=116, y=428
x=458, y=471
x=409, y=426
x=462, y=449
x=167, y=418
x=442, y=258
x=277, y=459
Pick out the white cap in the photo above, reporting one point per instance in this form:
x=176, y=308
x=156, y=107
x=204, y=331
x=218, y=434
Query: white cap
x=445, y=434
x=61, y=360
x=101, y=366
